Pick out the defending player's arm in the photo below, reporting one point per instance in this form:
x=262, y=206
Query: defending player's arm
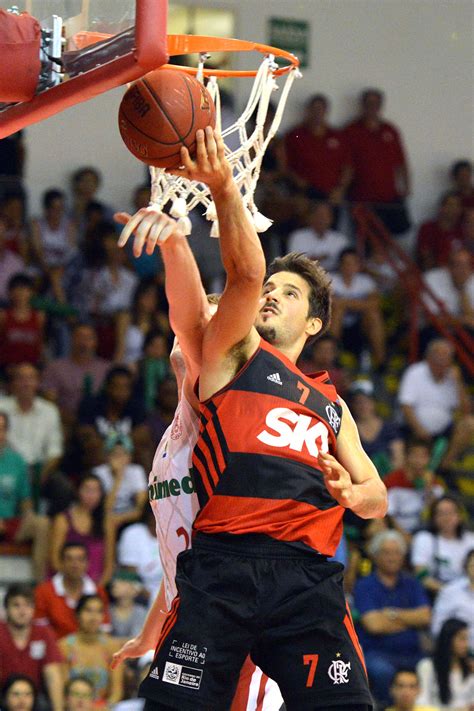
x=352, y=479
x=242, y=257
x=148, y=637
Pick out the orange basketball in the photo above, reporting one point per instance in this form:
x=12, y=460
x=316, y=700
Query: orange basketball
x=161, y=112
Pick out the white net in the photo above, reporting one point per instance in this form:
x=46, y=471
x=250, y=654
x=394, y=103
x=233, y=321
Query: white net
x=178, y=196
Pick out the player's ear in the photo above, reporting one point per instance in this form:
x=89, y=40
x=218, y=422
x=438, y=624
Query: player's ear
x=313, y=326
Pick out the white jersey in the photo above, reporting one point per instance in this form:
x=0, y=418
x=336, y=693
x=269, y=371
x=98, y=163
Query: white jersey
x=171, y=491
x=175, y=505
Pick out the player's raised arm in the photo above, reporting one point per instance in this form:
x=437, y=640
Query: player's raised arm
x=352, y=478
x=241, y=251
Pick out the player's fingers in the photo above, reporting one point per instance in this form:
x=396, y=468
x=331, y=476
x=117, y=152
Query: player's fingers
x=117, y=658
x=201, y=150
x=122, y=217
x=153, y=236
x=211, y=147
x=220, y=145
x=141, y=233
x=130, y=227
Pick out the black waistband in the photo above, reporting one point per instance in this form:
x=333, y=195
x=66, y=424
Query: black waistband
x=254, y=545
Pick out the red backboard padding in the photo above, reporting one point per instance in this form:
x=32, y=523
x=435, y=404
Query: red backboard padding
x=150, y=52
x=20, y=37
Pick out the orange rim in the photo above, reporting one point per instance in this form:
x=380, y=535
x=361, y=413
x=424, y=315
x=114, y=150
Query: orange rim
x=199, y=44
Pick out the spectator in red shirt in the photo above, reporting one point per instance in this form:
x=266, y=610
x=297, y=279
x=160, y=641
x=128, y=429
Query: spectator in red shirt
x=413, y=487
x=379, y=163
x=316, y=153
x=468, y=232
x=28, y=647
x=21, y=326
x=461, y=174
x=57, y=598
x=437, y=238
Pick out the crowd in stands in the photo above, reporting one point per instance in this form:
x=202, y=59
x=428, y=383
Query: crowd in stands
x=86, y=392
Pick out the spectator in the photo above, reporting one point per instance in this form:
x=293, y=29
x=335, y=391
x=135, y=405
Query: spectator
x=381, y=438
x=86, y=523
x=57, y=598
x=317, y=240
x=456, y=599
x=116, y=409
x=437, y=238
x=66, y=381
x=79, y=694
x=18, y=694
x=453, y=285
x=88, y=652
x=434, y=402
x=324, y=356
x=468, y=231
x=85, y=183
x=127, y=616
x=21, y=326
x=317, y=154
x=153, y=368
x=146, y=265
x=461, y=174
x=447, y=680
x=439, y=552
x=10, y=262
x=12, y=160
x=18, y=522
x=53, y=236
x=27, y=647
x=134, y=325
x=393, y=607
x=404, y=689
x=356, y=308
x=124, y=483
x=35, y=432
x=12, y=208
x=137, y=551
x=166, y=404
x=379, y=163
x=413, y=487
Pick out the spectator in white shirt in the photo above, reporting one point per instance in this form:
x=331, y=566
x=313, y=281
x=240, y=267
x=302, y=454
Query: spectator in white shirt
x=125, y=484
x=438, y=554
x=113, y=284
x=456, y=599
x=317, y=240
x=138, y=551
x=36, y=433
x=447, y=680
x=356, y=308
x=431, y=394
x=454, y=287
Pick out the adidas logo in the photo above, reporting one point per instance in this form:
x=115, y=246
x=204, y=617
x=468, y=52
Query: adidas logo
x=154, y=673
x=275, y=378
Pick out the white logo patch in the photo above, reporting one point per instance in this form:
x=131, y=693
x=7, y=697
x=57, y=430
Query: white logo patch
x=275, y=378
x=304, y=433
x=333, y=417
x=338, y=672
x=182, y=676
x=154, y=674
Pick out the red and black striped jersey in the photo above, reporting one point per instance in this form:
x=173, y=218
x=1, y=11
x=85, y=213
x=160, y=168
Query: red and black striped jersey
x=255, y=463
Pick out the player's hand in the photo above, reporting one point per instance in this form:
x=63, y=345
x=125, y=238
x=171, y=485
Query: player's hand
x=132, y=649
x=337, y=480
x=210, y=165
x=149, y=225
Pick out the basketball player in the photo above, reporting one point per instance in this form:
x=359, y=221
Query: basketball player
x=171, y=491
x=272, y=494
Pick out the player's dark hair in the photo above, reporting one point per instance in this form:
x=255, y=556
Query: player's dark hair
x=72, y=544
x=320, y=295
x=71, y=682
x=84, y=599
x=432, y=513
x=460, y=165
x=443, y=657
x=18, y=590
x=50, y=196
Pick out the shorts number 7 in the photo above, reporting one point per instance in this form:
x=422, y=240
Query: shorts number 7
x=312, y=660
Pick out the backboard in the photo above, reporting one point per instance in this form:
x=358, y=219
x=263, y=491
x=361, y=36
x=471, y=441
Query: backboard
x=130, y=41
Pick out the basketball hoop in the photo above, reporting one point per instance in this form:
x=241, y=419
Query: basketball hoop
x=178, y=195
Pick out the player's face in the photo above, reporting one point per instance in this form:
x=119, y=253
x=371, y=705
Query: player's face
x=91, y=616
x=20, y=696
x=283, y=316
x=20, y=611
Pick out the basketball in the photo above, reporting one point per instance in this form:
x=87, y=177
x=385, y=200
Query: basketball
x=161, y=112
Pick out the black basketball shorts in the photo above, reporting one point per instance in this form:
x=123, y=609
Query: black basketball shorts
x=249, y=594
